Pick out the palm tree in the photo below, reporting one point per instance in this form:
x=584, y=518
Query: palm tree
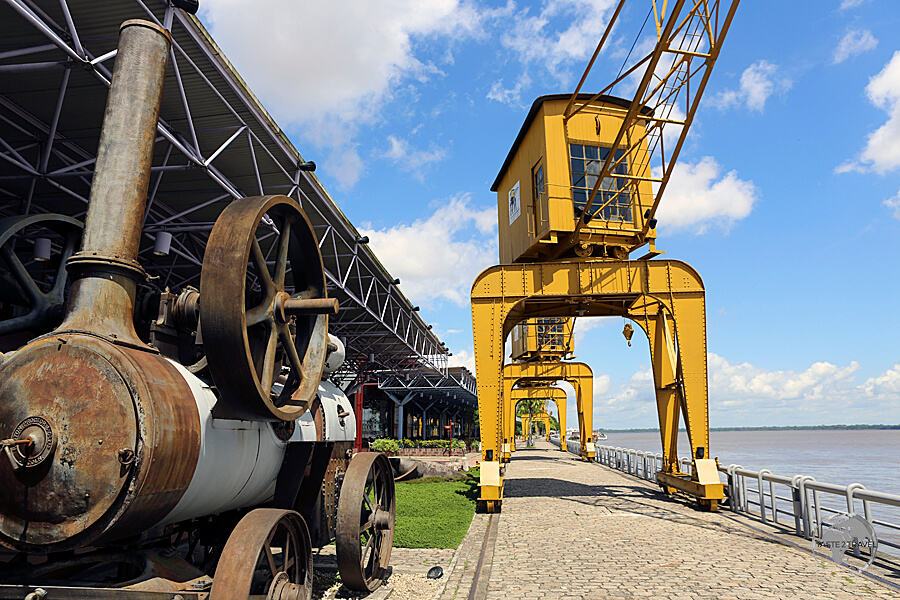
x=529, y=406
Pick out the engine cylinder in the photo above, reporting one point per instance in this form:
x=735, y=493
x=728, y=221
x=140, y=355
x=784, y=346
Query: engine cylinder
x=126, y=435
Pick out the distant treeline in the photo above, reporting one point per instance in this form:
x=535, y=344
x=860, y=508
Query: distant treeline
x=769, y=428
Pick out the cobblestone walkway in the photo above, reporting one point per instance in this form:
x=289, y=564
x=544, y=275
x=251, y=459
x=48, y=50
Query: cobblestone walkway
x=573, y=530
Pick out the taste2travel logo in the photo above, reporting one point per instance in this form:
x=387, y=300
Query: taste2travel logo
x=847, y=532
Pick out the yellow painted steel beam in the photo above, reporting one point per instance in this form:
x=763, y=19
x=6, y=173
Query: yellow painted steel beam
x=578, y=374
x=554, y=394
x=542, y=418
x=665, y=298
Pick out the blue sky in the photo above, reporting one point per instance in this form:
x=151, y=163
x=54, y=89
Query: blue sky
x=786, y=198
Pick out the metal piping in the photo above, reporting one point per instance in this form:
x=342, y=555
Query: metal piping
x=106, y=269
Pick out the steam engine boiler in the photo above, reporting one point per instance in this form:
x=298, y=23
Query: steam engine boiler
x=208, y=453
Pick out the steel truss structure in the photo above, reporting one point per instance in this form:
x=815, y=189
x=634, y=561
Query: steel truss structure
x=216, y=143
x=457, y=386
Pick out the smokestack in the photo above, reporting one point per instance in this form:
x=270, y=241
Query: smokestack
x=106, y=270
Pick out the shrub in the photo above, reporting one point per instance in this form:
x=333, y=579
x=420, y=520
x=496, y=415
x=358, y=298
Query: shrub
x=407, y=443
x=385, y=445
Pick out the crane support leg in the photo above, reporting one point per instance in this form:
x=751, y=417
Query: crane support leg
x=665, y=297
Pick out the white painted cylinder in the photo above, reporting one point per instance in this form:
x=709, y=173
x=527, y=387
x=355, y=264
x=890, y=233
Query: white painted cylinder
x=239, y=460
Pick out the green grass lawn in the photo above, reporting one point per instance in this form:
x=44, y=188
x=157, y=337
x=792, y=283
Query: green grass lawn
x=433, y=513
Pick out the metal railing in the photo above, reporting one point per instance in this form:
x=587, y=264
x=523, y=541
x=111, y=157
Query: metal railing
x=774, y=497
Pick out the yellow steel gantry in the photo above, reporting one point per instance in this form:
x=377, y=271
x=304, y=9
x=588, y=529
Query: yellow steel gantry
x=542, y=417
x=543, y=392
x=576, y=195
x=579, y=375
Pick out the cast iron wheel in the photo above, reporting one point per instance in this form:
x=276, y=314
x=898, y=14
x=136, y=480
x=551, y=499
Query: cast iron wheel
x=255, y=319
x=268, y=555
x=365, y=522
x=45, y=309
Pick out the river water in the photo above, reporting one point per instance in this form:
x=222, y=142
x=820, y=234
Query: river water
x=869, y=457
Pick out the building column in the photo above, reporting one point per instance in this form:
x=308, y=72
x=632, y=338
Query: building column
x=400, y=416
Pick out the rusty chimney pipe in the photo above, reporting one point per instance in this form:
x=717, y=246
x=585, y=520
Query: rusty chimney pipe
x=106, y=270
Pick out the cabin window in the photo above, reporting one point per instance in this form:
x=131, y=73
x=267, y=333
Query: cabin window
x=539, y=181
x=550, y=333
x=586, y=161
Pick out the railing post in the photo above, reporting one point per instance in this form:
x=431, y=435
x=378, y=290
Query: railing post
x=774, y=501
x=850, y=489
x=762, y=498
x=798, y=504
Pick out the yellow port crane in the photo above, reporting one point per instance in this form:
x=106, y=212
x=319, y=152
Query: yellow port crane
x=577, y=194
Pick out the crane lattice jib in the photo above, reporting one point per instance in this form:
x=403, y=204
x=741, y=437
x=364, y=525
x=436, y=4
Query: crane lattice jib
x=688, y=40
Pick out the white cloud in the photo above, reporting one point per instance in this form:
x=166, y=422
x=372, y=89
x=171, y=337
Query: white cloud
x=697, y=198
x=582, y=327
x=895, y=204
x=328, y=67
x=463, y=358
x=886, y=385
x=845, y=4
x=407, y=158
x=744, y=385
x=882, y=151
x=744, y=394
x=534, y=40
x=758, y=82
x=855, y=42
x=511, y=96
x=439, y=258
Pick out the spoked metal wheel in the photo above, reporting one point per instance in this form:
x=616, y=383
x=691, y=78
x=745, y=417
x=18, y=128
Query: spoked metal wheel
x=268, y=555
x=44, y=305
x=264, y=306
x=365, y=522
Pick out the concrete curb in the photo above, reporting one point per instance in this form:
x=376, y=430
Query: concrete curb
x=453, y=561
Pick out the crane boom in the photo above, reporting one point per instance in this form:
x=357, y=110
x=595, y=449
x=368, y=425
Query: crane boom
x=688, y=40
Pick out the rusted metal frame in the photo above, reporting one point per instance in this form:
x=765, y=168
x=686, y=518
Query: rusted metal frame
x=16, y=592
x=607, y=31
x=633, y=109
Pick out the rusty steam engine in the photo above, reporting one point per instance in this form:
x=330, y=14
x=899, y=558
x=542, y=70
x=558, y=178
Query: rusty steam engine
x=134, y=461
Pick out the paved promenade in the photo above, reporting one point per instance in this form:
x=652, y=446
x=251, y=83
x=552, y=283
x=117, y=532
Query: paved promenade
x=573, y=530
